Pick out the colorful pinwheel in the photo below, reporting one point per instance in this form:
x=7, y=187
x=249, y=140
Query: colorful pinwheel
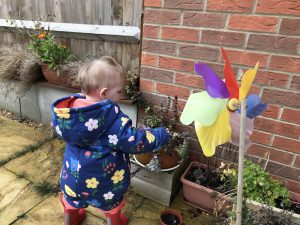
x=215, y=111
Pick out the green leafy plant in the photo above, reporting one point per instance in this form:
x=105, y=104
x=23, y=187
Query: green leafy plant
x=43, y=45
x=155, y=116
x=48, y=51
x=259, y=185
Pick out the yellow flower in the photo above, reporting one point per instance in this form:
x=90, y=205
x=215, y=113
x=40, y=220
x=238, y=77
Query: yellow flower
x=69, y=191
x=150, y=137
x=124, y=120
x=92, y=183
x=62, y=112
x=118, y=176
x=228, y=172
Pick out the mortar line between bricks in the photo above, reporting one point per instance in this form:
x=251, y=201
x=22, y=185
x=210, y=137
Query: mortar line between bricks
x=212, y=45
x=254, y=7
x=272, y=139
x=163, y=9
x=160, y=95
x=241, y=67
x=247, y=35
x=278, y=25
x=221, y=12
x=221, y=63
x=288, y=85
x=279, y=135
x=226, y=22
x=280, y=112
x=172, y=84
x=294, y=160
x=268, y=62
x=267, y=53
x=277, y=120
x=181, y=17
x=277, y=149
x=249, y=156
x=204, y=6
x=221, y=29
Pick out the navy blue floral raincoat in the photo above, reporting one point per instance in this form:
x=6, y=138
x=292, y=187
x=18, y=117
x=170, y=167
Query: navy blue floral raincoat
x=99, y=138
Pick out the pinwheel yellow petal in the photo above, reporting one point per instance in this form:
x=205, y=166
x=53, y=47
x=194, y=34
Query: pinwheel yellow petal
x=211, y=136
x=247, y=80
x=202, y=108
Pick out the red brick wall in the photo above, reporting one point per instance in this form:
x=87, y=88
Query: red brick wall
x=176, y=33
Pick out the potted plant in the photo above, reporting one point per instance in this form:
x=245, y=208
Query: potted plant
x=171, y=217
x=213, y=189
x=175, y=152
x=50, y=54
x=204, y=188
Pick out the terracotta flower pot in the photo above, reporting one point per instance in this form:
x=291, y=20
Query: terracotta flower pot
x=53, y=78
x=171, y=217
x=203, y=197
x=167, y=161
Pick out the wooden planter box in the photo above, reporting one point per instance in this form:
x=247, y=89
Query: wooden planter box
x=202, y=197
x=159, y=187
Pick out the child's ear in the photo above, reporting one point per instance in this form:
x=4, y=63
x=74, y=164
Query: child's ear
x=103, y=93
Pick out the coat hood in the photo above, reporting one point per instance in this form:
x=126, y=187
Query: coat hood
x=82, y=126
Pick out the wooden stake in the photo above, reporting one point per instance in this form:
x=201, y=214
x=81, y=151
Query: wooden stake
x=241, y=163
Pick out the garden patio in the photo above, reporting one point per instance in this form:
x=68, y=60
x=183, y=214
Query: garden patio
x=30, y=162
x=175, y=54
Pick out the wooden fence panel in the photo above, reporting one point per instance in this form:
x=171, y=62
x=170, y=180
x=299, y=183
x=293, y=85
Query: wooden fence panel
x=100, y=12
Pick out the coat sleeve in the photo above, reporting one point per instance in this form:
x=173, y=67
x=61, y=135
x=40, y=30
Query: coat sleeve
x=134, y=141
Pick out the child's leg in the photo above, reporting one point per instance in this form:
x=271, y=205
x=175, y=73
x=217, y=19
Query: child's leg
x=114, y=216
x=72, y=215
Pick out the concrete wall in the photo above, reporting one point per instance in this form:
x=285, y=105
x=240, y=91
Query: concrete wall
x=36, y=103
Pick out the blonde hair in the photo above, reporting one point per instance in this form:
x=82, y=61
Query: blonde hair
x=99, y=73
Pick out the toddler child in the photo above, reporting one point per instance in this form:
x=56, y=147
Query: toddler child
x=99, y=138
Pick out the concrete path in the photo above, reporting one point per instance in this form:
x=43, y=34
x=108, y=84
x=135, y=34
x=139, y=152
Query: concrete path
x=30, y=163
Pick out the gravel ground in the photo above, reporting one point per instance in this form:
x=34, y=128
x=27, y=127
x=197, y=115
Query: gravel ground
x=30, y=123
x=25, y=121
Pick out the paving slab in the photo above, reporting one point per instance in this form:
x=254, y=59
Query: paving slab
x=16, y=197
x=49, y=212
x=15, y=136
x=191, y=215
x=43, y=164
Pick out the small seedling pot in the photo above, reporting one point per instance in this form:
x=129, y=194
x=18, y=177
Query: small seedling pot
x=170, y=217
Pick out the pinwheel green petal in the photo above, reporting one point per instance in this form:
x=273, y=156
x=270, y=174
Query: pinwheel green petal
x=202, y=108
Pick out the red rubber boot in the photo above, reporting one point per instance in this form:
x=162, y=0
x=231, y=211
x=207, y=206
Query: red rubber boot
x=114, y=216
x=72, y=216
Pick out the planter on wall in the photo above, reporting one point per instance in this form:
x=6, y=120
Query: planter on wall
x=62, y=80
x=202, y=197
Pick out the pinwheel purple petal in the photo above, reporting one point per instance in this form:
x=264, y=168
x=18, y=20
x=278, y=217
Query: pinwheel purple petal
x=215, y=87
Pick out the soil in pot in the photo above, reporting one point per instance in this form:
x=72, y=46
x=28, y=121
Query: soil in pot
x=170, y=217
x=167, y=160
x=207, y=178
x=294, y=207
